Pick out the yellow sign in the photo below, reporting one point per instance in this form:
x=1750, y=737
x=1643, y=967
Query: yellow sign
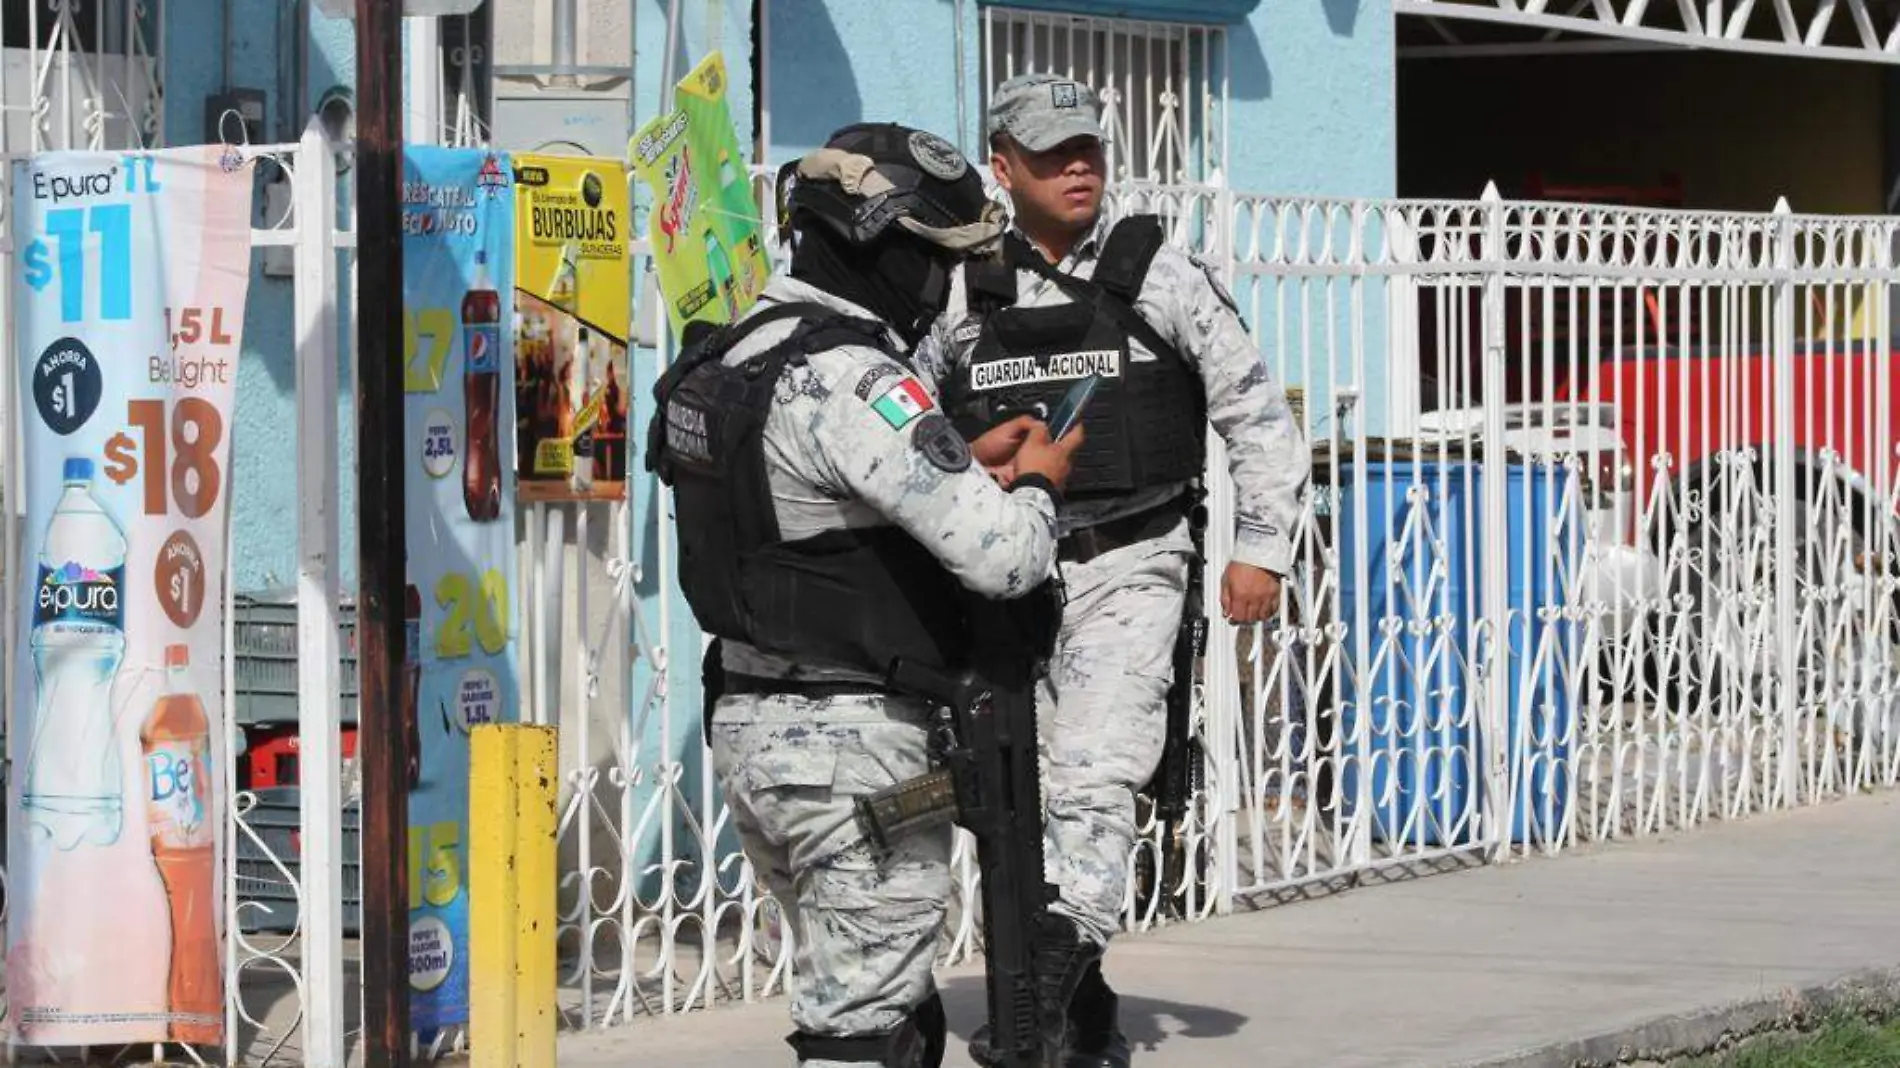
x=574, y=311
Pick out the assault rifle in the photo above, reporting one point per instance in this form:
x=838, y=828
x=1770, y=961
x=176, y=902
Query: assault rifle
x=1181, y=772
x=989, y=782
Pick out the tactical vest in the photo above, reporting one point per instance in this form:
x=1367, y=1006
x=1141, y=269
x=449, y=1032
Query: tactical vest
x=858, y=597
x=1147, y=421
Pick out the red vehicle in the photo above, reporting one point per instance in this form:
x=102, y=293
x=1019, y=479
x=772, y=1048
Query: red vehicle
x=1649, y=380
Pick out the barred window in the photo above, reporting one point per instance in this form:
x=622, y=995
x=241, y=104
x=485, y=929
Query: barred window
x=1163, y=85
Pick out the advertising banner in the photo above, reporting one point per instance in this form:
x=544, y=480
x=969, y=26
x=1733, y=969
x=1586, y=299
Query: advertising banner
x=458, y=277
x=707, y=243
x=132, y=277
x=574, y=308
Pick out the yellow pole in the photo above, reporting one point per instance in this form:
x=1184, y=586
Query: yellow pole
x=513, y=777
x=536, y=775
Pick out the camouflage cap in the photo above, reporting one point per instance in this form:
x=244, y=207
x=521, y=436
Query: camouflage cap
x=1040, y=111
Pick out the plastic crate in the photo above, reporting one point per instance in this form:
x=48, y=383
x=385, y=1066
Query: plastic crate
x=267, y=900
x=271, y=756
x=266, y=645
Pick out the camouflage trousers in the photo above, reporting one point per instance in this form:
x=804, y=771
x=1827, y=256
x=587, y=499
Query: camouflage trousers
x=1102, y=718
x=864, y=928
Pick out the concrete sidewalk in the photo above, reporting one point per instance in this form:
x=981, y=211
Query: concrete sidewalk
x=1520, y=965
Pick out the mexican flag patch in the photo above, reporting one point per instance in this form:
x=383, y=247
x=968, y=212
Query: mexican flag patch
x=902, y=402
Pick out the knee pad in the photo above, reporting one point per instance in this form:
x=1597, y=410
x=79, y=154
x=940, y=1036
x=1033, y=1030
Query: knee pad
x=917, y=1042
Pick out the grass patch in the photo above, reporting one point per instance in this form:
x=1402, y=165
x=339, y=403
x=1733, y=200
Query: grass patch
x=1841, y=1041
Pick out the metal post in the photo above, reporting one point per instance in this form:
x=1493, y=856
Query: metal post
x=382, y=557
x=12, y=519
x=1492, y=651
x=423, y=126
x=564, y=34
x=668, y=65
x=318, y=669
x=1221, y=728
x=1787, y=611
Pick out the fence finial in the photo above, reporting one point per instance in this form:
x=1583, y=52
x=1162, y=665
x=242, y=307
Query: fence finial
x=1781, y=206
x=1491, y=194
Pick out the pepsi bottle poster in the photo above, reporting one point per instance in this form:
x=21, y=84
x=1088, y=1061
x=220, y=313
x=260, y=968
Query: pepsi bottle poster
x=458, y=310
x=130, y=280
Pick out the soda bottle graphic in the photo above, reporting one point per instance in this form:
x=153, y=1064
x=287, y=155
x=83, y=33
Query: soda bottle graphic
x=176, y=741
x=72, y=794
x=581, y=477
x=481, y=390
x=412, y=679
x=565, y=292
x=735, y=193
x=728, y=174
x=719, y=271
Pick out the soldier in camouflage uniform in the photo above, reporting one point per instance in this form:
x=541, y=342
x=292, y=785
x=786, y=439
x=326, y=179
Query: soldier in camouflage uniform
x=827, y=512
x=1017, y=340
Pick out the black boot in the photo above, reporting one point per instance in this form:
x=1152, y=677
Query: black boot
x=934, y=1028
x=1095, y=1037
x=1064, y=957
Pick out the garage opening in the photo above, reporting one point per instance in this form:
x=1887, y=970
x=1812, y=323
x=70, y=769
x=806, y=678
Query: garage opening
x=1720, y=106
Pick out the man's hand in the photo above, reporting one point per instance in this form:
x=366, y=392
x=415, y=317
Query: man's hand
x=1249, y=594
x=996, y=448
x=998, y=445
x=1040, y=456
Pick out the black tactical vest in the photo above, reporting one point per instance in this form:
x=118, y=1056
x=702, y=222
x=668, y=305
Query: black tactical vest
x=858, y=598
x=1147, y=422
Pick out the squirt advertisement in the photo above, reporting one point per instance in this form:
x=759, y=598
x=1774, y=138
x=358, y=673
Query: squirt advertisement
x=459, y=489
x=130, y=283
x=708, y=247
x=572, y=316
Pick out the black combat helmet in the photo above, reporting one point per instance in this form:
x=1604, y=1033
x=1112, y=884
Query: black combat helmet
x=871, y=175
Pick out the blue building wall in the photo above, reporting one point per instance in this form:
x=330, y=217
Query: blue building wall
x=1311, y=85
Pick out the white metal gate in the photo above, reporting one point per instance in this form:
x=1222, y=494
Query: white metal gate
x=1475, y=660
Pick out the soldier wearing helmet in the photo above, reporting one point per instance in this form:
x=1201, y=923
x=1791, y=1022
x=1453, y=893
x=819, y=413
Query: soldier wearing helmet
x=830, y=518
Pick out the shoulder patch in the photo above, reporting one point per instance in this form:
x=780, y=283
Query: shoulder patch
x=940, y=443
x=903, y=402
x=872, y=378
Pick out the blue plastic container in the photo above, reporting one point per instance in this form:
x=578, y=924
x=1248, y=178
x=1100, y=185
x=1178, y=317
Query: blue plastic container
x=1424, y=574
x=1543, y=699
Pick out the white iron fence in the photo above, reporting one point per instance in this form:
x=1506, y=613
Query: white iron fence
x=1600, y=543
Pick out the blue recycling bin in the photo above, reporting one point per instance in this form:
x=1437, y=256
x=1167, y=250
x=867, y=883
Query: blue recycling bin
x=1422, y=585
x=1544, y=553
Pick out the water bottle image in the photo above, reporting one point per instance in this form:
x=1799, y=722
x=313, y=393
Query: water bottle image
x=72, y=790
